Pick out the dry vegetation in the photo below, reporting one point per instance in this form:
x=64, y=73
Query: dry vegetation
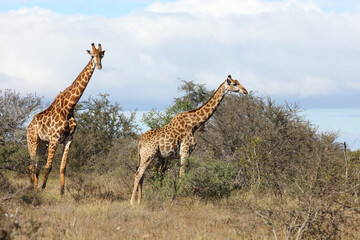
x=46, y=215
x=259, y=172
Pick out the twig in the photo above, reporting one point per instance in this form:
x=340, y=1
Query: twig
x=74, y=223
x=266, y=220
x=303, y=225
x=346, y=163
x=14, y=195
x=299, y=187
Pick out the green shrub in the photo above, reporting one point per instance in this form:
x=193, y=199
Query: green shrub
x=211, y=180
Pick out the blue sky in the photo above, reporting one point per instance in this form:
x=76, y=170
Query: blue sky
x=115, y=8
x=108, y=8
x=291, y=50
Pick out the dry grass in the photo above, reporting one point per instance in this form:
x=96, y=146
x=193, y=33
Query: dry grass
x=51, y=217
x=46, y=215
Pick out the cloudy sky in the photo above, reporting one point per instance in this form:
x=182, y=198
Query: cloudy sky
x=306, y=52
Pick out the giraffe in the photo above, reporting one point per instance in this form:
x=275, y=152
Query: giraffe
x=176, y=139
x=56, y=125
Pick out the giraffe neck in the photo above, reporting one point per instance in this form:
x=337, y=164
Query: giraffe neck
x=74, y=92
x=203, y=113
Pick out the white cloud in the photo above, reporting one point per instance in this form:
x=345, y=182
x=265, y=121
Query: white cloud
x=353, y=84
x=305, y=86
x=315, y=86
x=146, y=59
x=277, y=47
x=226, y=7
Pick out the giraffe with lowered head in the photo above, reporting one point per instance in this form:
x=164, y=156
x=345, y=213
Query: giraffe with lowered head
x=176, y=139
x=56, y=125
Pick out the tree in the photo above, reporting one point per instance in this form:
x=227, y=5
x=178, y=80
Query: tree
x=266, y=140
x=195, y=95
x=99, y=125
x=15, y=111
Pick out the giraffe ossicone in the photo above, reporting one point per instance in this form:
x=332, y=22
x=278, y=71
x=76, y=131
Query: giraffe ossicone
x=56, y=125
x=176, y=139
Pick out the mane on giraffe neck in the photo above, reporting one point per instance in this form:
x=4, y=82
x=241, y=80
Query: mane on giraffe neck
x=73, y=93
x=200, y=115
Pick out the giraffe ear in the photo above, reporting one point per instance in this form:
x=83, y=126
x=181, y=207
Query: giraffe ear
x=88, y=51
x=103, y=52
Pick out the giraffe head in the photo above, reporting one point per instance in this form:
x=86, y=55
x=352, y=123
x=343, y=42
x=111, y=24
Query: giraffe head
x=234, y=86
x=96, y=55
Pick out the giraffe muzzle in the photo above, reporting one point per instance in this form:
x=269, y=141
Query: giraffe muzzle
x=244, y=91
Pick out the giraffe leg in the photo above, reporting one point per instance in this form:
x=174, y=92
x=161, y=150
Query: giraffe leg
x=33, y=144
x=183, y=162
x=139, y=177
x=136, y=183
x=163, y=165
x=184, y=153
x=186, y=149
x=140, y=189
x=32, y=169
x=40, y=152
x=52, y=149
x=67, y=145
x=34, y=176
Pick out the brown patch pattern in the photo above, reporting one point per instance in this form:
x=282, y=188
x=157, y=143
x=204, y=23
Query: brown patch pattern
x=57, y=124
x=176, y=140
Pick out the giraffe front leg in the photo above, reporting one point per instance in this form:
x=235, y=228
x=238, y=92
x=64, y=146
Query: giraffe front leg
x=52, y=149
x=72, y=126
x=67, y=146
x=183, y=162
x=185, y=151
x=184, y=154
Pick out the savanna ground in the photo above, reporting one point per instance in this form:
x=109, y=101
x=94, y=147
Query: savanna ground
x=46, y=215
x=259, y=171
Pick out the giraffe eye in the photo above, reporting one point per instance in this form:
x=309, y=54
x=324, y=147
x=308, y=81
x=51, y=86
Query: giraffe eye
x=234, y=84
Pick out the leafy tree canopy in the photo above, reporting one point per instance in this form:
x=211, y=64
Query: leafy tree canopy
x=194, y=96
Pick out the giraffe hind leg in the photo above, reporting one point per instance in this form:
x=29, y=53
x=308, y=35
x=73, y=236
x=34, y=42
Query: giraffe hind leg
x=140, y=189
x=40, y=153
x=52, y=149
x=139, y=178
x=34, y=166
x=36, y=148
x=136, y=184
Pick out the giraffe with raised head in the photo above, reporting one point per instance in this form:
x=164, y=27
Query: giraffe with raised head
x=176, y=139
x=56, y=125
